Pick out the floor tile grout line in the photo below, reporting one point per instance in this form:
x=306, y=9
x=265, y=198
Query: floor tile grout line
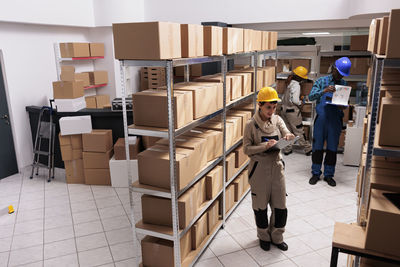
x=73, y=228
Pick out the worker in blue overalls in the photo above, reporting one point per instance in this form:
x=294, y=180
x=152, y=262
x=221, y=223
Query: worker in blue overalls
x=328, y=122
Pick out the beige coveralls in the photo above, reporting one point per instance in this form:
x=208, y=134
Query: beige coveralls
x=266, y=176
x=292, y=116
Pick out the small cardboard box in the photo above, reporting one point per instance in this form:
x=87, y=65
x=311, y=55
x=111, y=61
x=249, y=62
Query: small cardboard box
x=102, y=101
x=268, y=76
x=159, y=252
x=238, y=184
x=199, y=231
x=214, y=182
x=84, y=76
x=157, y=114
x=97, y=141
x=67, y=73
x=371, y=35
x=96, y=49
x=158, y=211
x=246, y=82
x=97, y=176
x=388, y=121
x=147, y=40
x=97, y=160
x=69, y=50
x=257, y=36
x=273, y=40
x=393, y=38
x=232, y=40
x=159, y=156
x=192, y=40
x=358, y=43
x=134, y=148
x=260, y=78
x=265, y=41
x=230, y=166
x=73, y=140
x=213, y=141
x=75, y=125
x=90, y=102
x=74, y=172
x=67, y=89
x=247, y=40
x=229, y=197
x=98, y=77
x=382, y=225
x=212, y=40
x=236, y=85
x=212, y=216
x=236, y=129
x=306, y=63
x=200, y=193
x=240, y=157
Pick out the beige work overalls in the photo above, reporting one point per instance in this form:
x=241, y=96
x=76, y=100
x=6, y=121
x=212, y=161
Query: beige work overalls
x=266, y=177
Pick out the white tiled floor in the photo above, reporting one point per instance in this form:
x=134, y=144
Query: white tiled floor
x=56, y=224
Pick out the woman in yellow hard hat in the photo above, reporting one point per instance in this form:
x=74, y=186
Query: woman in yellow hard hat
x=291, y=109
x=266, y=169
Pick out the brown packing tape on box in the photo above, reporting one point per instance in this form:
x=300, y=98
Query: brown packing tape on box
x=74, y=172
x=199, y=231
x=214, y=182
x=213, y=141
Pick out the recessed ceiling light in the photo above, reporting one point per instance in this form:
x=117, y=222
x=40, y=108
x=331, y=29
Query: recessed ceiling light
x=316, y=33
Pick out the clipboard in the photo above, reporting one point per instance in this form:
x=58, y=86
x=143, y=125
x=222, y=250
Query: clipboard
x=341, y=96
x=282, y=143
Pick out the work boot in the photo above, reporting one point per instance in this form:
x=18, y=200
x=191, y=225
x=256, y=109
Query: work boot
x=282, y=246
x=330, y=181
x=288, y=152
x=314, y=179
x=265, y=245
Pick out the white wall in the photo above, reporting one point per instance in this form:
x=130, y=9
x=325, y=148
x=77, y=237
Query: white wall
x=107, y=12
x=357, y=7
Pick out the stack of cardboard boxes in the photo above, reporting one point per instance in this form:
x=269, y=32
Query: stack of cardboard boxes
x=68, y=95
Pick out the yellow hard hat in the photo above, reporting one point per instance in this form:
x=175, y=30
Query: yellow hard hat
x=267, y=94
x=301, y=72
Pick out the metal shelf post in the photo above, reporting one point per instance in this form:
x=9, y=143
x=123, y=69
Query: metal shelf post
x=223, y=71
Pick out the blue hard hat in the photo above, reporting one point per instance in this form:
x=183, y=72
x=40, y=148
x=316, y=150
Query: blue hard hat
x=343, y=65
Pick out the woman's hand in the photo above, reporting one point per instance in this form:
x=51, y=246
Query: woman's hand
x=270, y=143
x=289, y=136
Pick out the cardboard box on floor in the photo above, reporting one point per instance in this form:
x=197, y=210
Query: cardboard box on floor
x=212, y=216
x=192, y=40
x=232, y=40
x=74, y=173
x=97, y=160
x=393, y=38
x=69, y=50
x=213, y=141
x=213, y=36
x=67, y=90
x=97, y=141
x=97, y=176
x=73, y=140
x=382, y=225
x=229, y=197
x=147, y=40
x=75, y=125
x=214, y=182
x=157, y=114
x=159, y=156
x=160, y=252
x=358, y=43
x=67, y=153
x=387, y=135
x=199, y=231
x=96, y=49
x=134, y=148
x=157, y=210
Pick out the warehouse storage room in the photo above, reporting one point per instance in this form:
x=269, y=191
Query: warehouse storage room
x=181, y=133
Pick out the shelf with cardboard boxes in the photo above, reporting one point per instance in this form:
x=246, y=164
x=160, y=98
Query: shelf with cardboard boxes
x=69, y=79
x=378, y=185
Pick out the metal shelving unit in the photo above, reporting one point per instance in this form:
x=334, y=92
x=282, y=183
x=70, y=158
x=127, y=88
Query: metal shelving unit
x=174, y=233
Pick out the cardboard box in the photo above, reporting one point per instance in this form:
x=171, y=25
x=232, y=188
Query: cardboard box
x=158, y=211
x=376, y=36
x=159, y=156
x=72, y=140
x=134, y=148
x=212, y=216
x=192, y=40
x=393, y=38
x=238, y=185
x=306, y=88
x=90, y=102
x=229, y=197
x=246, y=82
x=97, y=101
x=199, y=231
x=67, y=90
x=359, y=65
x=245, y=107
x=96, y=49
x=240, y=157
x=212, y=40
x=74, y=173
x=306, y=63
x=247, y=40
x=119, y=173
x=67, y=73
x=236, y=129
x=387, y=135
x=84, y=76
x=273, y=40
x=382, y=39
x=382, y=225
x=149, y=141
x=67, y=153
x=257, y=36
x=69, y=50
x=159, y=252
x=97, y=176
x=232, y=40
x=97, y=160
x=147, y=40
x=280, y=86
x=70, y=105
x=260, y=77
x=264, y=40
x=157, y=114
x=98, y=77
x=199, y=194
x=245, y=177
x=217, y=78
x=217, y=126
x=245, y=115
x=214, y=182
x=358, y=43
x=97, y=141
x=213, y=141
x=268, y=76
x=75, y=125
x=371, y=35
x=230, y=166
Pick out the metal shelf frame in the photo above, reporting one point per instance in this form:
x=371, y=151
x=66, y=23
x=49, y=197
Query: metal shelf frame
x=171, y=133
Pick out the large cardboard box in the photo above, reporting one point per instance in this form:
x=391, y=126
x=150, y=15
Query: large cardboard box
x=213, y=141
x=68, y=153
x=230, y=166
x=229, y=197
x=358, y=43
x=147, y=40
x=199, y=231
x=306, y=63
x=158, y=211
x=97, y=176
x=156, y=115
x=74, y=173
x=97, y=141
x=157, y=252
x=383, y=234
x=69, y=50
x=387, y=135
x=238, y=185
x=393, y=38
x=84, y=76
x=240, y=157
x=232, y=40
x=247, y=40
x=192, y=40
x=134, y=148
x=382, y=39
x=245, y=115
x=97, y=160
x=212, y=216
x=67, y=90
x=119, y=172
x=218, y=126
x=75, y=125
x=70, y=105
x=159, y=156
x=96, y=49
x=214, y=182
x=212, y=40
